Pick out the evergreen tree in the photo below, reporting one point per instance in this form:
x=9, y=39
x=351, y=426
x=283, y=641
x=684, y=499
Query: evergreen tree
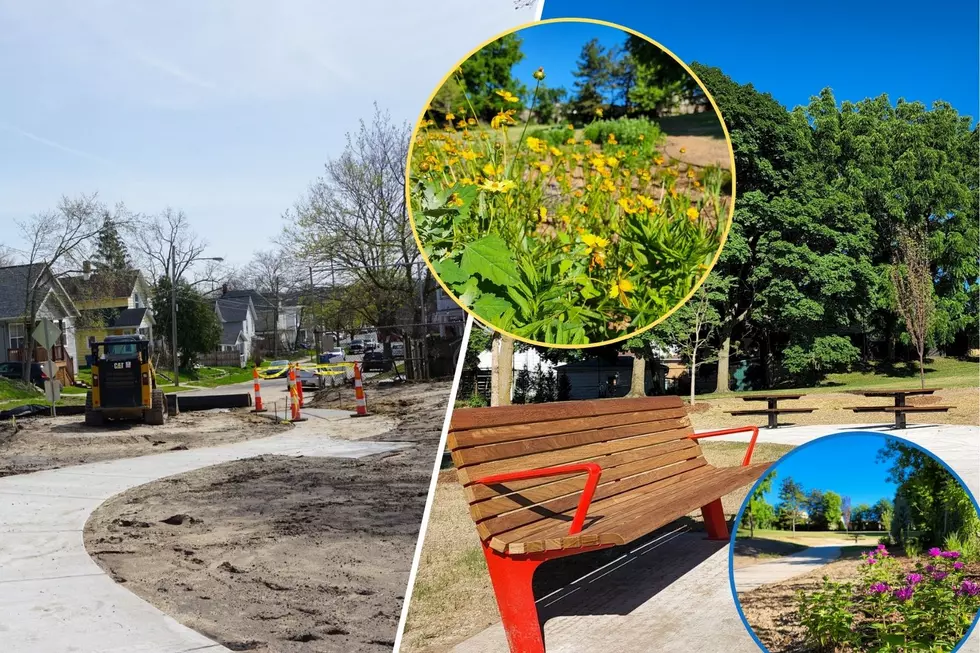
x=594, y=76
x=111, y=253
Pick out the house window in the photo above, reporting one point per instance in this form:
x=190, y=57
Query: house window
x=16, y=336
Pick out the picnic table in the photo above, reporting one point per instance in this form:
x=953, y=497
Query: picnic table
x=772, y=410
x=900, y=408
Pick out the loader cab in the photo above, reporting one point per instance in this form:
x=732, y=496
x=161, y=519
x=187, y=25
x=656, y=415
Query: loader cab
x=123, y=382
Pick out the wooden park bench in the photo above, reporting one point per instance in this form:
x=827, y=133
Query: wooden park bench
x=900, y=408
x=772, y=409
x=545, y=481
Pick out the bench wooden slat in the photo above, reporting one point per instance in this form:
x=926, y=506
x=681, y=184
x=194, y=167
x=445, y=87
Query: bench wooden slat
x=609, y=463
x=625, y=517
x=476, y=455
x=567, y=456
x=497, y=434
x=769, y=411
x=900, y=409
x=674, y=452
x=470, y=418
x=548, y=510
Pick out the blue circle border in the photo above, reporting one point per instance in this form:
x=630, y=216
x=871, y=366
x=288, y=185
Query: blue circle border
x=824, y=438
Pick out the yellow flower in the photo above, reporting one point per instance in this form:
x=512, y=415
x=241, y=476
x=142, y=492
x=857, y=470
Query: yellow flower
x=467, y=181
x=471, y=121
x=578, y=156
x=647, y=202
x=659, y=160
x=593, y=242
x=612, y=161
x=535, y=144
x=619, y=288
x=543, y=167
x=642, y=137
x=627, y=205
x=587, y=142
x=498, y=186
x=542, y=213
x=570, y=141
x=507, y=95
x=469, y=155
x=581, y=209
x=578, y=193
x=450, y=116
x=692, y=214
x=461, y=124
x=555, y=151
x=612, y=139
x=598, y=111
x=683, y=150
x=597, y=162
x=690, y=173
x=607, y=186
x=571, y=127
x=503, y=118
x=490, y=171
x=455, y=200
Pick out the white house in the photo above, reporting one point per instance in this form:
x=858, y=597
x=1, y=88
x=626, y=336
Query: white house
x=237, y=325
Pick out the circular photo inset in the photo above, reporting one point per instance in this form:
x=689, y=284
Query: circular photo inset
x=570, y=183
x=858, y=542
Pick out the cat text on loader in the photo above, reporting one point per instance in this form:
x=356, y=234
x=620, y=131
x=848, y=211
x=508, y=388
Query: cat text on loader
x=124, y=384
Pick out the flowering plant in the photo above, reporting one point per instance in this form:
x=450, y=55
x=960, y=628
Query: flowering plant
x=893, y=609
x=569, y=241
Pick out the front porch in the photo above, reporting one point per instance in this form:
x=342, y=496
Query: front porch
x=64, y=363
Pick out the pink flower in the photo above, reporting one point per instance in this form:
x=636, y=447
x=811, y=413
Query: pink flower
x=935, y=552
x=913, y=579
x=958, y=565
x=878, y=588
x=950, y=554
x=903, y=594
x=968, y=588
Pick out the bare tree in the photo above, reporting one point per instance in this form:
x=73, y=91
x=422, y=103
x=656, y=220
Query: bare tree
x=166, y=243
x=914, y=293
x=275, y=273
x=53, y=238
x=356, y=216
x=7, y=256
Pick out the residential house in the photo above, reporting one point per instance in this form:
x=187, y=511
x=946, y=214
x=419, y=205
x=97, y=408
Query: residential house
x=237, y=318
x=52, y=302
x=111, y=303
x=276, y=327
x=448, y=316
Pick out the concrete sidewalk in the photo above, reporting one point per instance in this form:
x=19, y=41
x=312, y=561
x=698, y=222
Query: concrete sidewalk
x=55, y=598
x=780, y=569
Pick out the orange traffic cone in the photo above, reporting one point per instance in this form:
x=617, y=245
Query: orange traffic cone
x=359, y=392
x=299, y=390
x=294, y=396
x=259, y=408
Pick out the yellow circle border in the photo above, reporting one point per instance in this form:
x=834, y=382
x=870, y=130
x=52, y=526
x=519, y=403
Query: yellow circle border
x=408, y=177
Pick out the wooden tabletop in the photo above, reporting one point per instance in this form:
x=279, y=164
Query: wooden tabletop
x=773, y=396
x=893, y=393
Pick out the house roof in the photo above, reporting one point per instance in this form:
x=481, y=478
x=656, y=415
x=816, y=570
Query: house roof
x=130, y=317
x=232, y=310
x=13, y=289
x=102, y=285
x=230, y=333
x=257, y=299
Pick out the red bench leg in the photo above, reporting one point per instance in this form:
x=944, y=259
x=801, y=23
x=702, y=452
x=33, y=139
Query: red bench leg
x=714, y=520
x=511, y=578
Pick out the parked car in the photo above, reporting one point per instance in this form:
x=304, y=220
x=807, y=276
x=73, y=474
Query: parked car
x=398, y=349
x=335, y=355
x=356, y=346
x=15, y=370
x=309, y=379
x=374, y=361
x=280, y=366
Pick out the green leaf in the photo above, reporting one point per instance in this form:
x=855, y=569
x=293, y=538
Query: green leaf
x=492, y=308
x=491, y=259
x=449, y=271
x=468, y=292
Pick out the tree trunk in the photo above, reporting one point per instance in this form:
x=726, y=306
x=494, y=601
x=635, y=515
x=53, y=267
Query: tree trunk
x=638, y=378
x=922, y=367
x=724, y=351
x=694, y=367
x=751, y=520
x=501, y=370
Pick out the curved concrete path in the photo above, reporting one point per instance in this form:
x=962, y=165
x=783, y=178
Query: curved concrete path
x=780, y=569
x=55, y=598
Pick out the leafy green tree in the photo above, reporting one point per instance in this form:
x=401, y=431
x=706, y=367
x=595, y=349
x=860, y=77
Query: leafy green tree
x=832, y=509
x=815, y=505
x=549, y=99
x=862, y=516
x=479, y=342
x=656, y=82
x=593, y=80
x=791, y=499
x=489, y=71
x=882, y=513
x=198, y=327
x=761, y=514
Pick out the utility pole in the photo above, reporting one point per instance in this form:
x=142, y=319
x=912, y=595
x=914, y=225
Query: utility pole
x=173, y=312
x=316, y=334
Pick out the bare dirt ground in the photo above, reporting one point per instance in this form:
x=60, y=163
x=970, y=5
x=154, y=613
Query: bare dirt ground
x=41, y=443
x=453, y=600
x=771, y=610
x=283, y=554
x=699, y=150
x=753, y=551
x=830, y=410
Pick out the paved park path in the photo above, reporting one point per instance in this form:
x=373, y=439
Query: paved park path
x=55, y=599
x=777, y=570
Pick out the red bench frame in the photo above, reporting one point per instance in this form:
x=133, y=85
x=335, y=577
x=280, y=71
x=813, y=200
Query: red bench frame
x=512, y=575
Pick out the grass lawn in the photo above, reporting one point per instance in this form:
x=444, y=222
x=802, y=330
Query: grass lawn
x=10, y=390
x=815, y=538
x=206, y=377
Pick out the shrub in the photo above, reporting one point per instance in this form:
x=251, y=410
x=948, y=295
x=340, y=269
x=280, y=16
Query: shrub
x=628, y=131
x=891, y=608
x=555, y=136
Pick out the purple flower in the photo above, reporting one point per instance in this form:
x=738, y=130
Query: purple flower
x=968, y=588
x=913, y=579
x=940, y=575
x=935, y=552
x=903, y=594
x=958, y=565
x=871, y=560
x=930, y=568
x=878, y=588
x=950, y=554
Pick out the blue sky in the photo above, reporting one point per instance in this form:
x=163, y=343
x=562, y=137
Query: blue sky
x=845, y=465
x=225, y=110
x=793, y=50
x=556, y=47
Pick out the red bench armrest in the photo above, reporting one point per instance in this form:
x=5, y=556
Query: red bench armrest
x=594, y=471
x=741, y=429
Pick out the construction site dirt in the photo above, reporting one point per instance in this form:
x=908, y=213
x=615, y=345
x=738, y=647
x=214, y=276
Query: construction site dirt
x=284, y=554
